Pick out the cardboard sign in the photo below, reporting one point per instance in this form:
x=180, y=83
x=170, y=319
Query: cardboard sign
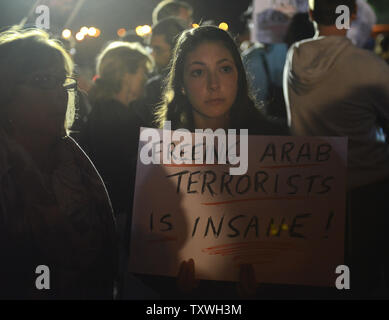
x=285, y=216
x=271, y=18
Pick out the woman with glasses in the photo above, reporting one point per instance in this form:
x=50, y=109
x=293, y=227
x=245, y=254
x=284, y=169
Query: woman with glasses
x=54, y=209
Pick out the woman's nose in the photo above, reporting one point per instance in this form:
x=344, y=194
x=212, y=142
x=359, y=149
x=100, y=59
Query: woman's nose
x=213, y=81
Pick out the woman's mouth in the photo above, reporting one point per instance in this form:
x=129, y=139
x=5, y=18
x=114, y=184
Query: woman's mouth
x=216, y=101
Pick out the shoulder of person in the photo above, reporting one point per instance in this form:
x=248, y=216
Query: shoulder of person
x=371, y=59
x=69, y=148
x=86, y=167
x=253, y=50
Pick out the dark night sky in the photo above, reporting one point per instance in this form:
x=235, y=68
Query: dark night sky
x=109, y=15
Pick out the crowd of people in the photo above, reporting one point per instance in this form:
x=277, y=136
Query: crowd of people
x=67, y=181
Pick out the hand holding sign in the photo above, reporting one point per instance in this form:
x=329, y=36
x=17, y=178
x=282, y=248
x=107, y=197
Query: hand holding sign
x=186, y=279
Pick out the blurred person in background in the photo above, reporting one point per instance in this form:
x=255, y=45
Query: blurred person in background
x=362, y=26
x=334, y=88
x=112, y=131
x=82, y=51
x=264, y=63
x=54, y=209
x=173, y=8
x=300, y=28
x=163, y=39
x=111, y=134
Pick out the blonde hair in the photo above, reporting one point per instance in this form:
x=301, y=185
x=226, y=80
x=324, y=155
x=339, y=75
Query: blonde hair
x=116, y=59
x=23, y=51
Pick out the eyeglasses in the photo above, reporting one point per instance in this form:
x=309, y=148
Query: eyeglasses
x=50, y=82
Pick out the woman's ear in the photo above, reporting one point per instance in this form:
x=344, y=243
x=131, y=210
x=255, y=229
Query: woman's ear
x=183, y=91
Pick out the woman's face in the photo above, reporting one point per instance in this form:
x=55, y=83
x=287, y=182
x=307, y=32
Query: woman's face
x=138, y=82
x=133, y=85
x=40, y=103
x=210, y=81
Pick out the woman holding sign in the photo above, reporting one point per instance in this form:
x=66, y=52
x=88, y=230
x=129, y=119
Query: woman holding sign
x=207, y=88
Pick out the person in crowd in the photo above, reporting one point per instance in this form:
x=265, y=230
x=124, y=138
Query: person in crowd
x=264, y=63
x=112, y=131
x=207, y=88
x=300, y=28
x=162, y=42
x=333, y=88
x=173, y=8
x=55, y=213
x=360, y=32
x=272, y=18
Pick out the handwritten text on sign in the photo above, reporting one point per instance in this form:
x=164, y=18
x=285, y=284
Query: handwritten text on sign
x=285, y=216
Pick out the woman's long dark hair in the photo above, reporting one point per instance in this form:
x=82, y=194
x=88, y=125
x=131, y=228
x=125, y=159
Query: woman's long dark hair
x=176, y=106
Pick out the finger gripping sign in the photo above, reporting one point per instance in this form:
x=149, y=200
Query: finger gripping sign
x=285, y=215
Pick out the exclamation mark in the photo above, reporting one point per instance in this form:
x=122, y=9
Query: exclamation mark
x=330, y=216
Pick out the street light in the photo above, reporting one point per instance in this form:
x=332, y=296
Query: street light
x=80, y=36
x=223, y=26
x=66, y=34
x=84, y=30
x=92, y=31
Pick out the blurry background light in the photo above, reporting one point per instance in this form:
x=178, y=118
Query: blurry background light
x=84, y=30
x=80, y=36
x=143, y=30
x=223, y=26
x=121, y=32
x=195, y=25
x=92, y=31
x=146, y=29
x=139, y=30
x=66, y=34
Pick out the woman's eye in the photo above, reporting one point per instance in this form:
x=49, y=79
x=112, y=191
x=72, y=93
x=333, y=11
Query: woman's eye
x=196, y=73
x=226, y=69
